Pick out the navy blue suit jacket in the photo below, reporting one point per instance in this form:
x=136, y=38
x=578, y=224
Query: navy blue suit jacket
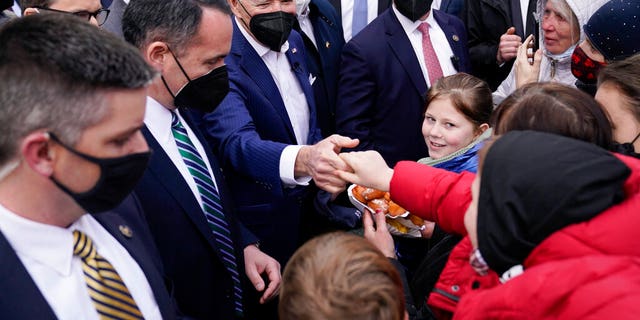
x=193, y=262
x=381, y=89
x=250, y=129
x=20, y=298
x=323, y=61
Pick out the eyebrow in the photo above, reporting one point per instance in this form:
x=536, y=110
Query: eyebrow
x=128, y=132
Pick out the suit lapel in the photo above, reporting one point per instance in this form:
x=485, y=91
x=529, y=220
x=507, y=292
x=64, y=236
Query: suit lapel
x=252, y=64
x=170, y=178
x=453, y=38
x=295, y=55
x=114, y=224
x=20, y=296
x=402, y=49
x=383, y=5
x=338, y=6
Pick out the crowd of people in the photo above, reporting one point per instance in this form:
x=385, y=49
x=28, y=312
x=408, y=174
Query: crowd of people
x=190, y=159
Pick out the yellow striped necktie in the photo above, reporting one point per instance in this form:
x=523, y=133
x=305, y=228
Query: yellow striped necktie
x=108, y=292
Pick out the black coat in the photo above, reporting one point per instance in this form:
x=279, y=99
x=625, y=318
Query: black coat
x=486, y=21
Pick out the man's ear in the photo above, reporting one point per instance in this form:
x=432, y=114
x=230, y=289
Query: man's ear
x=37, y=152
x=29, y=11
x=156, y=54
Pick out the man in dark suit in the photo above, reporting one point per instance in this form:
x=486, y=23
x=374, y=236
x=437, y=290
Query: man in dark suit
x=347, y=9
x=71, y=145
x=321, y=31
x=496, y=29
x=384, y=78
x=215, y=275
x=266, y=130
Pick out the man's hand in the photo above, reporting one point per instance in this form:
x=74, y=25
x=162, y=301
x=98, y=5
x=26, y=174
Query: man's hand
x=320, y=161
x=367, y=168
x=256, y=263
x=525, y=72
x=379, y=235
x=508, y=47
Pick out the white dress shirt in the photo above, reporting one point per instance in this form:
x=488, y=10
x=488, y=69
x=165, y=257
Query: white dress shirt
x=157, y=118
x=438, y=39
x=294, y=101
x=524, y=6
x=46, y=251
x=16, y=9
x=306, y=26
x=347, y=16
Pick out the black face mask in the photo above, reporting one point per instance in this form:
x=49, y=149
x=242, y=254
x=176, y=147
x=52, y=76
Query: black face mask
x=413, y=9
x=204, y=93
x=626, y=148
x=118, y=177
x=271, y=29
x=589, y=88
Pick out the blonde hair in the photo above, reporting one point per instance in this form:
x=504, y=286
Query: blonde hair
x=340, y=276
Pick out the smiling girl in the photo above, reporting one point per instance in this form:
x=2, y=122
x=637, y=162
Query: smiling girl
x=456, y=122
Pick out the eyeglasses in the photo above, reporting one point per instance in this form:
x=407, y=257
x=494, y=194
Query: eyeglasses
x=100, y=15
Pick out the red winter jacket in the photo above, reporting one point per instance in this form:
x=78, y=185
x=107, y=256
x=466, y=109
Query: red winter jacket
x=589, y=270
x=442, y=197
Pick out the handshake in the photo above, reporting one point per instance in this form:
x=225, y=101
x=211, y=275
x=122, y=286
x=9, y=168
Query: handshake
x=332, y=170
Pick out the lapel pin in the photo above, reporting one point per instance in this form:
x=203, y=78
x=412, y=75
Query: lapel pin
x=327, y=44
x=455, y=38
x=126, y=231
x=294, y=50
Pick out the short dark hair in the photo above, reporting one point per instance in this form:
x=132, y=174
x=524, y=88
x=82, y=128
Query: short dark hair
x=34, y=3
x=625, y=76
x=54, y=71
x=340, y=276
x=172, y=21
x=554, y=108
x=471, y=96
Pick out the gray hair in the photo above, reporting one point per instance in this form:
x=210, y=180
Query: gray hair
x=174, y=22
x=54, y=73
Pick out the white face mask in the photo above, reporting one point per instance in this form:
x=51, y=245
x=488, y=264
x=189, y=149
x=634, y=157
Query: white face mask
x=301, y=6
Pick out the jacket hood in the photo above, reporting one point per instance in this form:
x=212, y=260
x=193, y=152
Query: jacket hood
x=583, y=9
x=610, y=233
x=557, y=68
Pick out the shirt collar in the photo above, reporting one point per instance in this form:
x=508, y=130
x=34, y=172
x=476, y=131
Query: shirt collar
x=157, y=118
x=46, y=244
x=261, y=49
x=411, y=26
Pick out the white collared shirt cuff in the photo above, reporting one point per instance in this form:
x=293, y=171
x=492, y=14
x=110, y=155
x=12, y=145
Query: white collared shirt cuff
x=287, y=167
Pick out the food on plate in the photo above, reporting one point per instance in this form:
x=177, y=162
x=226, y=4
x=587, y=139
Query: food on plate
x=416, y=220
x=357, y=193
x=396, y=224
x=379, y=205
x=396, y=210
